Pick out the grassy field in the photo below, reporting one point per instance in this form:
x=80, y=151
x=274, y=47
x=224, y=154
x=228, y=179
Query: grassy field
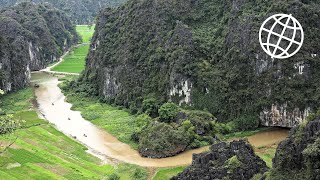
x=74, y=62
x=167, y=173
x=114, y=120
x=267, y=154
x=85, y=32
x=42, y=152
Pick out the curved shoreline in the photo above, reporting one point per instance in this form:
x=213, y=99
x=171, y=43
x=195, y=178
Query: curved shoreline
x=99, y=141
x=52, y=104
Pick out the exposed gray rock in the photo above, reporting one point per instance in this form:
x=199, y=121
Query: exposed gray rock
x=234, y=160
x=31, y=37
x=298, y=156
x=280, y=116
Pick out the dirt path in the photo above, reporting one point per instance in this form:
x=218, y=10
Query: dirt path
x=49, y=69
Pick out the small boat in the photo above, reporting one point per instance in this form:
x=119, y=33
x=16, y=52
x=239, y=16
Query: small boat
x=85, y=135
x=36, y=85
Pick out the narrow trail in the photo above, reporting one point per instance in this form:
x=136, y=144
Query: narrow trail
x=52, y=104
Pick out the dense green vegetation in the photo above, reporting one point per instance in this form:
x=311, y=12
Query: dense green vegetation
x=163, y=135
x=42, y=152
x=31, y=37
x=115, y=120
x=149, y=49
x=74, y=61
x=80, y=11
x=174, y=131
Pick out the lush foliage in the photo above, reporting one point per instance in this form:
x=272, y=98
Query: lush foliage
x=31, y=37
x=246, y=123
x=80, y=11
x=168, y=112
x=42, y=152
x=8, y=124
x=151, y=48
x=115, y=120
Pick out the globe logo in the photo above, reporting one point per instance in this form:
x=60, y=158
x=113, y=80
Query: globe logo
x=281, y=36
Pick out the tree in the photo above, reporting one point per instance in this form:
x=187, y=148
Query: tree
x=168, y=112
x=7, y=126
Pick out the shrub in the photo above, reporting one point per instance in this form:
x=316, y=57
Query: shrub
x=142, y=120
x=160, y=140
x=150, y=106
x=114, y=177
x=233, y=162
x=246, y=123
x=168, y=112
x=139, y=174
x=8, y=124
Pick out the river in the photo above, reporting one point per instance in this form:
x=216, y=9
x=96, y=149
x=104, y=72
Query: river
x=54, y=108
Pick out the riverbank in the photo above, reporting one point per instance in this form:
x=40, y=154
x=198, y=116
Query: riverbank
x=39, y=134
x=73, y=61
x=43, y=152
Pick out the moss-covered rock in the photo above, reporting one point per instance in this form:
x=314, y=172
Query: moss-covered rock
x=234, y=160
x=160, y=140
x=298, y=156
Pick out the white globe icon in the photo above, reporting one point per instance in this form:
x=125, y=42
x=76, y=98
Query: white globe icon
x=281, y=36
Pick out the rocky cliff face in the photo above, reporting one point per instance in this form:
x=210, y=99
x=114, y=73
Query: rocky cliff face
x=206, y=54
x=235, y=160
x=31, y=37
x=79, y=11
x=298, y=156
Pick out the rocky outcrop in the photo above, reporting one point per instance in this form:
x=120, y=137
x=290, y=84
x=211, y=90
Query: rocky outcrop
x=280, y=116
x=171, y=51
x=298, y=156
x=31, y=37
x=79, y=11
x=162, y=140
x=234, y=160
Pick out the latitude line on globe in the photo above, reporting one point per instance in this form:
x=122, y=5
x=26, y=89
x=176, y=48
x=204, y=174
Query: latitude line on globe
x=273, y=45
x=289, y=27
x=282, y=33
x=283, y=37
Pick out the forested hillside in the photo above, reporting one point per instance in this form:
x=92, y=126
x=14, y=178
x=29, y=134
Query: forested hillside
x=79, y=11
x=31, y=36
x=205, y=54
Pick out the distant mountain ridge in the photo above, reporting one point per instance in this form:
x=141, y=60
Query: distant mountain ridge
x=79, y=11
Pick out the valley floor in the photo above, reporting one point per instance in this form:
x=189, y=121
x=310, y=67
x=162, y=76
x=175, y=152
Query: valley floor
x=42, y=152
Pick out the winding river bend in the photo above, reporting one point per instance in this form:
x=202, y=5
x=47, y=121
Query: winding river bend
x=52, y=105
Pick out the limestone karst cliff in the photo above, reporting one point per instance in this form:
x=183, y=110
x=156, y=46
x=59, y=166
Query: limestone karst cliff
x=205, y=54
x=31, y=36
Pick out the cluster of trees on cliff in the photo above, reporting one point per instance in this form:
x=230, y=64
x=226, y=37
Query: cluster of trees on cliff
x=31, y=37
x=148, y=48
x=79, y=11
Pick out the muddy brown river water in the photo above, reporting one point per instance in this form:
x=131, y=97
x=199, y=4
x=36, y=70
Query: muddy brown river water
x=101, y=143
